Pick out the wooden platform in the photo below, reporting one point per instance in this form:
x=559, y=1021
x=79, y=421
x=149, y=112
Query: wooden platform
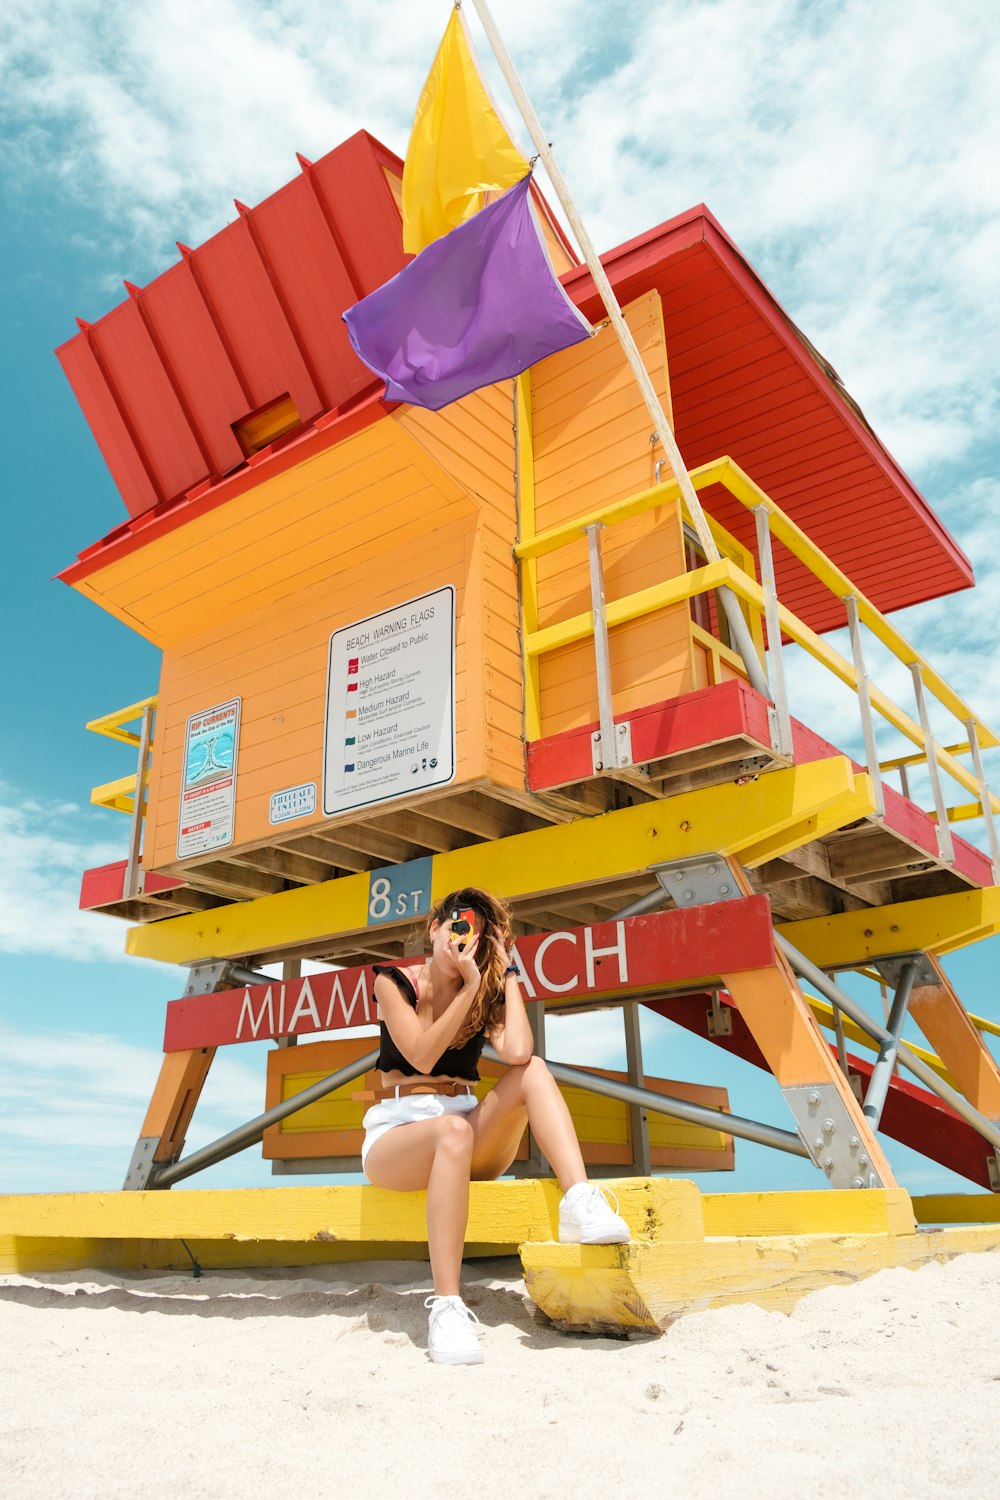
x=713, y=738
x=689, y=1251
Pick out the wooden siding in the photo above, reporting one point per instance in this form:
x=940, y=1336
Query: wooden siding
x=245, y=601
x=473, y=442
x=590, y=436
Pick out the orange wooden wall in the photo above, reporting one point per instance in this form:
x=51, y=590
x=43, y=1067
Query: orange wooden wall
x=419, y=501
x=244, y=598
x=590, y=437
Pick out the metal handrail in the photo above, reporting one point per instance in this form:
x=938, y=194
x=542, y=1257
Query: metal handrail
x=725, y=573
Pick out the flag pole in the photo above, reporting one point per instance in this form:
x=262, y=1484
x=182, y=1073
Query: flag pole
x=738, y=629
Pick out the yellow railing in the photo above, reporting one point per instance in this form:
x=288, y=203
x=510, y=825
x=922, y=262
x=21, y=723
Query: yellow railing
x=120, y=794
x=128, y=793
x=724, y=573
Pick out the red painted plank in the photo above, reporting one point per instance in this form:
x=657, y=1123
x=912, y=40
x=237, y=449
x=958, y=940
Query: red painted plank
x=627, y=957
x=352, y=184
x=306, y=263
x=701, y=718
x=198, y=359
x=105, y=885
x=119, y=447
x=258, y=334
x=129, y=358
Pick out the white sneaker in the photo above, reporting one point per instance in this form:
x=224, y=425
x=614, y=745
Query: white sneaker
x=585, y=1218
x=451, y=1337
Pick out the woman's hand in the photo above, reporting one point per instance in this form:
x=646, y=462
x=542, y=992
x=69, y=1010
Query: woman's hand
x=502, y=951
x=467, y=966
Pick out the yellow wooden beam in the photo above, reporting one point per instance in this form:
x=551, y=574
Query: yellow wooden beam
x=501, y=1214
x=938, y=924
x=633, y=606
x=118, y=795
x=111, y=725
x=647, y=1285
x=958, y=1208
x=779, y=812
x=824, y=1015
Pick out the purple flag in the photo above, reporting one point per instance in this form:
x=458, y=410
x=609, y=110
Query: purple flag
x=479, y=305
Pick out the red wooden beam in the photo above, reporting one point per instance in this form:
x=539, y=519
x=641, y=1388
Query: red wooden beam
x=912, y=1115
x=606, y=960
x=671, y=727
x=105, y=885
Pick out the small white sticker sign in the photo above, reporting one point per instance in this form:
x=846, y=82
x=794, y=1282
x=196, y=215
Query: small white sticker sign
x=293, y=802
x=390, y=704
x=208, y=781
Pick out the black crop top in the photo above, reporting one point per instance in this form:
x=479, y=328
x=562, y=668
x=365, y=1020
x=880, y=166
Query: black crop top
x=456, y=1062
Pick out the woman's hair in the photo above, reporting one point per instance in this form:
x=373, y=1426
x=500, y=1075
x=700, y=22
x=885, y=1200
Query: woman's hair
x=487, y=1008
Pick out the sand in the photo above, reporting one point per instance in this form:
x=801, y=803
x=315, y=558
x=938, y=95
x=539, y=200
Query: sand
x=317, y=1383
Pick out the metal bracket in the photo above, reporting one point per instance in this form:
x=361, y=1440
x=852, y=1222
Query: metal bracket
x=142, y=1168
x=205, y=979
x=720, y=1017
x=698, y=882
x=619, y=753
x=220, y=974
x=925, y=975
x=993, y=1168
x=830, y=1135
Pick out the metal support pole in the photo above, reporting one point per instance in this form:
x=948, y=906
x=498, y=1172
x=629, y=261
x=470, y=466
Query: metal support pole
x=985, y=799
x=678, y=1109
x=838, y=1026
x=906, y=1059
x=536, y=1164
x=638, y=1122
x=945, y=847
x=134, y=881
x=865, y=704
x=878, y=1084
x=781, y=725
x=253, y=1130
x=904, y=782
x=642, y=904
x=739, y=632
x=608, y=754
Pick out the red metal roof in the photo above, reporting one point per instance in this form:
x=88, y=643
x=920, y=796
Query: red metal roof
x=255, y=314
x=745, y=381
x=252, y=315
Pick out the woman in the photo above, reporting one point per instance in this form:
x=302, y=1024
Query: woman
x=429, y=1131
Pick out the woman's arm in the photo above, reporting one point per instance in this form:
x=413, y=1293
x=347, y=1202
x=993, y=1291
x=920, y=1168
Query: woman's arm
x=420, y=1047
x=513, y=1040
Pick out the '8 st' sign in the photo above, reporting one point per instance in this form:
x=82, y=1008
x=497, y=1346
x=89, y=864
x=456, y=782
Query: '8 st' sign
x=399, y=892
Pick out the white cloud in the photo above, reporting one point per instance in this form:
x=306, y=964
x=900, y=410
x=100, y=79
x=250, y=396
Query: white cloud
x=44, y=849
x=72, y=1105
x=850, y=149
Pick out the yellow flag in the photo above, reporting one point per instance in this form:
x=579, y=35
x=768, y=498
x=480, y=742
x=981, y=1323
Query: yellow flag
x=458, y=147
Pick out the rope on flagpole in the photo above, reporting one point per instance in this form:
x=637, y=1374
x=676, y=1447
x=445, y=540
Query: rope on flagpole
x=738, y=629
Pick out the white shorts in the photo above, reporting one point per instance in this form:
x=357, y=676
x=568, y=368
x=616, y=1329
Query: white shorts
x=407, y=1109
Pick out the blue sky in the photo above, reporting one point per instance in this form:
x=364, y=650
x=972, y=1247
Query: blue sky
x=849, y=149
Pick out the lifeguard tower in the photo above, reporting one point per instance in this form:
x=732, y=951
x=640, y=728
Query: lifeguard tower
x=405, y=651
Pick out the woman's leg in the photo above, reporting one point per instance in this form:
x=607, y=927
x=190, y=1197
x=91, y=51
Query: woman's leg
x=436, y=1155
x=526, y=1095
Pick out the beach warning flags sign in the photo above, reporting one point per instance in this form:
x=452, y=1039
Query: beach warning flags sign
x=459, y=147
